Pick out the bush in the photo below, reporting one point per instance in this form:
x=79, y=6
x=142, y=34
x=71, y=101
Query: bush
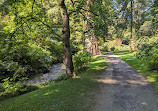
x=143, y=51
x=56, y=50
x=112, y=48
x=149, y=53
x=103, y=47
x=15, y=86
x=81, y=59
x=26, y=59
x=153, y=59
x=109, y=46
x=9, y=68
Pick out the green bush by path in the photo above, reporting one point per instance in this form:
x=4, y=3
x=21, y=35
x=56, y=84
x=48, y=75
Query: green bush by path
x=81, y=59
x=148, y=52
x=140, y=66
x=70, y=95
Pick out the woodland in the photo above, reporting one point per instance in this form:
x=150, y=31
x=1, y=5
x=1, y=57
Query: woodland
x=34, y=34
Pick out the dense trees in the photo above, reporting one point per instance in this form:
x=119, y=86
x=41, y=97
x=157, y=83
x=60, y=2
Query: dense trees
x=33, y=25
x=34, y=33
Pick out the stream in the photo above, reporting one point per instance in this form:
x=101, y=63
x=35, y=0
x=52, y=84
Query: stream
x=56, y=71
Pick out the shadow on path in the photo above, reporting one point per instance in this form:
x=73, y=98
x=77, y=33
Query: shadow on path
x=124, y=89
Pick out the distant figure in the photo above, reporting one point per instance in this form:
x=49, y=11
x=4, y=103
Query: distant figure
x=125, y=47
x=121, y=48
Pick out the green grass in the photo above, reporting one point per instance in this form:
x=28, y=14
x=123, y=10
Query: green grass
x=70, y=95
x=140, y=66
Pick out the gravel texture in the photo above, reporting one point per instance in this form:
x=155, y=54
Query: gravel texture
x=124, y=89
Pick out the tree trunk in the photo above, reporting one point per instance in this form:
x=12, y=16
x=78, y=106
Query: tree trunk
x=96, y=50
x=130, y=43
x=66, y=39
x=3, y=10
x=109, y=27
x=90, y=39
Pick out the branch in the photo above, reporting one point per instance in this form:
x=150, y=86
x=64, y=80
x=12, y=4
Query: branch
x=33, y=5
x=86, y=19
x=48, y=27
x=11, y=34
x=80, y=8
x=90, y=11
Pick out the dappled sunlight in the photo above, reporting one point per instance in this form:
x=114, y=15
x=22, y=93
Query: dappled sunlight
x=109, y=81
x=136, y=82
x=51, y=92
x=125, y=88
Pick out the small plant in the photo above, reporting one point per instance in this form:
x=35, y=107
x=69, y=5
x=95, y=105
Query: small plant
x=81, y=59
x=112, y=48
x=13, y=85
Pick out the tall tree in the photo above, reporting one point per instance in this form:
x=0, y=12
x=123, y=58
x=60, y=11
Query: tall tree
x=66, y=38
x=91, y=42
x=130, y=42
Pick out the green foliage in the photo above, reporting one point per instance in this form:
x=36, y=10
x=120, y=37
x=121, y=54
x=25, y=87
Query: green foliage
x=9, y=68
x=61, y=95
x=81, y=59
x=104, y=18
x=153, y=58
x=56, y=50
x=112, y=48
x=25, y=60
x=148, y=52
x=13, y=86
x=103, y=47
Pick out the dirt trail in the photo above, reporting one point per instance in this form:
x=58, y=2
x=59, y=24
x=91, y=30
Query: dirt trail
x=124, y=89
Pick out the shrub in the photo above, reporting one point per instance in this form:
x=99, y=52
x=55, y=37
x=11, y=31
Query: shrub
x=112, y=48
x=28, y=59
x=13, y=86
x=104, y=47
x=81, y=59
x=117, y=48
x=56, y=50
x=153, y=59
x=149, y=53
x=9, y=68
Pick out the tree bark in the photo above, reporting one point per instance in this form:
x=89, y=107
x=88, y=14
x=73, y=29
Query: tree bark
x=109, y=27
x=91, y=44
x=130, y=43
x=3, y=10
x=66, y=39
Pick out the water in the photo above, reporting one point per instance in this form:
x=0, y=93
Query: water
x=56, y=71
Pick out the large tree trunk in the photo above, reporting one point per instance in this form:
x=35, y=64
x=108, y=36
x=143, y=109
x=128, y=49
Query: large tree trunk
x=66, y=39
x=130, y=43
x=95, y=49
x=88, y=37
x=91, y=44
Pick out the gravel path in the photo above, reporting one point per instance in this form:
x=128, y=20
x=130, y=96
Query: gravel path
x=124, y=89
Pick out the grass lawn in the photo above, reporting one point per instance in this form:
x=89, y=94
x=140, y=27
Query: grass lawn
x=70, y=95
x=140, y=66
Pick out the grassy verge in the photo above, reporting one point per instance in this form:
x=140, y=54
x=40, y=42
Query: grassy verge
x=140, y=66
x=70, y=95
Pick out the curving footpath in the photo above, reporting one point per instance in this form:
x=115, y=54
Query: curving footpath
x=124, y=89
